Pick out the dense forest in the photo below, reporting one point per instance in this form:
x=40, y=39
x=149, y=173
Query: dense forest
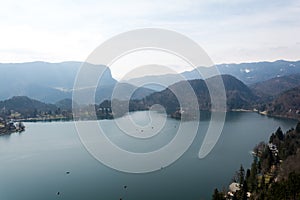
x=274, y=173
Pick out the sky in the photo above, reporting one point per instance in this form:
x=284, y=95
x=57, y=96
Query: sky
x=230, y=31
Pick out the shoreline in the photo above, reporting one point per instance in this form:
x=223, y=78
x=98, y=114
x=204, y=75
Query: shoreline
x=265, y=113
x=243, y=110
x=33, y=120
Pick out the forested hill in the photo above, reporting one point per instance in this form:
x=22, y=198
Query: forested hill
x=275, y=86
x=239, y=96
x=275, y=171
x=24, y=104
x=287, y=104
x=22, y=107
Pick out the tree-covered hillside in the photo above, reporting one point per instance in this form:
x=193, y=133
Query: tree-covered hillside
x=275, y=171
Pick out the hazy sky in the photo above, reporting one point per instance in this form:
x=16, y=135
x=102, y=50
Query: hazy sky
x=229, y=31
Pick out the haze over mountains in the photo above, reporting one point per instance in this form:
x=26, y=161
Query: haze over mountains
x=51, y=82
x=238, y=96
x=248, y=73
x=262, y=85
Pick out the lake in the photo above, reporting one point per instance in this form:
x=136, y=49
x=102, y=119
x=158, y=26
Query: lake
x=33, y=164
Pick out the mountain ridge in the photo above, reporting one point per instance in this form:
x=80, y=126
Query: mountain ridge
x=51, y=82
x=277, y=85
x=239, y=97
x=248, y=73
x=286, y=104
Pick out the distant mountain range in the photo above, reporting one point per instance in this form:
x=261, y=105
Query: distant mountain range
x=238, y=94
x=267, y=86
x=248, y=73
x=278, y=96
x=52, y=82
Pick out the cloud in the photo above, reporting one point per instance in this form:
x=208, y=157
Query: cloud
x=230, y=31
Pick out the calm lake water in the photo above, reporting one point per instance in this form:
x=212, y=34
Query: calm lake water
x=33, y=164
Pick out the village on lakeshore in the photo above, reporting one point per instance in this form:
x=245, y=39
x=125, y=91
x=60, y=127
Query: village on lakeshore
x=10, y=126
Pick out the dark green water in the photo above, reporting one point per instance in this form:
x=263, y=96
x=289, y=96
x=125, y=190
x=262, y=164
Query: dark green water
x=33, y=164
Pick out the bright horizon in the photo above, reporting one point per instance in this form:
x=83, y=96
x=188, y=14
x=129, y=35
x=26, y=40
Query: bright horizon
x=229, y=31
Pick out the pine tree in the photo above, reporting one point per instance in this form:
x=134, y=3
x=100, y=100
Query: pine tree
x=218, y=195
x=252, y=178
x=279, y=134
x=241, y=175
x=298, y=128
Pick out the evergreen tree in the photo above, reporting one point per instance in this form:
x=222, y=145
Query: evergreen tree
x=298, y=128
x=279, y=134
x=244, y=190
x=218, y=195
x=293, y=184
x=248, y=174
x=252, y=179
x=241, y=175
